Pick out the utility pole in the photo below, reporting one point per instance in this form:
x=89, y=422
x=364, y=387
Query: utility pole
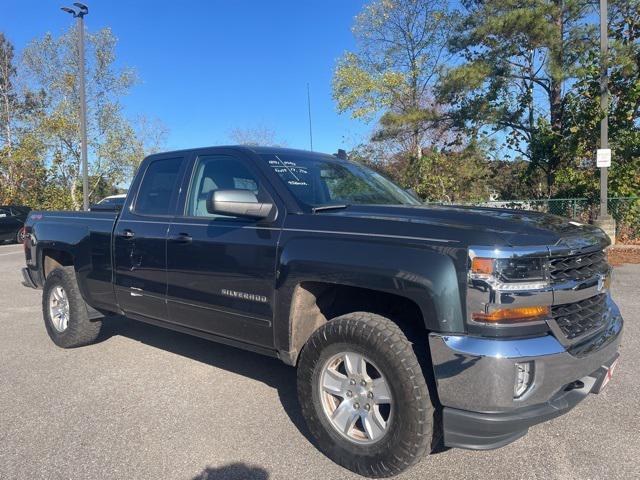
x=309, y=110
x=603, y=157
x=81, y=11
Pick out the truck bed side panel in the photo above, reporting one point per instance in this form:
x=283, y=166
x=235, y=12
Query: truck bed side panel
x=86, y=238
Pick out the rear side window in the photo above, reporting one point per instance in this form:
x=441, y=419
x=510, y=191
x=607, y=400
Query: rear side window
x=159, y=184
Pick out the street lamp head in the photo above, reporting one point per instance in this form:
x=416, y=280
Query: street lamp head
x=68, y=10
x=83, y=8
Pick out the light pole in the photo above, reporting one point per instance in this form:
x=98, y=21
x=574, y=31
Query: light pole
x=81, y=11
x=604, y=220
x=604, y=104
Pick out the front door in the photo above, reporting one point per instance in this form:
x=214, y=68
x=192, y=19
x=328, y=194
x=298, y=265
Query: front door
x=221, y=269
x=140, y=239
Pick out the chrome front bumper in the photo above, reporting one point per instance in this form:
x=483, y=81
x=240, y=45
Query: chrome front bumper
x=478, y=375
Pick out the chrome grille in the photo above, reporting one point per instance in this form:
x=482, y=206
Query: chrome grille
x=577, y=319
x=577, y=267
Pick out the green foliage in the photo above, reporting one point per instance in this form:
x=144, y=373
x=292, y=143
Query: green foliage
x=401, y=46
x=40, y=162
x=450, y=176
x=51, y=65
x=24, y=173
x=439, y=175
x=583, y=121
x=516, y=59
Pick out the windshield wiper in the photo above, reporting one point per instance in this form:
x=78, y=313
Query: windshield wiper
x=328, y=207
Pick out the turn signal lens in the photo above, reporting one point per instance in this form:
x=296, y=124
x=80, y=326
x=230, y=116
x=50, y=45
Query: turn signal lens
x=482, y=266
x=512, y=314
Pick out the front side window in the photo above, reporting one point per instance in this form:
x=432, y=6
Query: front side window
x=159, y=184
x=217, y=172
x=317, y=181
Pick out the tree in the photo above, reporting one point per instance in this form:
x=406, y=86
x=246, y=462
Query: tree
x=624, y=113
x=580, y=177
x=438, y=175
x=401, y=47
x=8, y=96
x=51, y=65
x=22, y=172
x=254, y=136
x=515, y=61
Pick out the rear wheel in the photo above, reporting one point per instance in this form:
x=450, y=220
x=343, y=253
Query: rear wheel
x=65, y=313
x=20, y=236
x=364, y=396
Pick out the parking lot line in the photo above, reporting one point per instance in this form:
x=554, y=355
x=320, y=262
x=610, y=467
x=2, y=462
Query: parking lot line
x=9, y=253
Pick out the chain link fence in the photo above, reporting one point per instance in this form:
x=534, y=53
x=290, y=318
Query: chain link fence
x=625, y=210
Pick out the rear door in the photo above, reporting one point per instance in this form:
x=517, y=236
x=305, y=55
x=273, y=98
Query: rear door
x=140, y=238
x=221, y=269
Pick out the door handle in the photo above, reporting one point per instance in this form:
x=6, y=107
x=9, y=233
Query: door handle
x=128, y=234
x=182, y=238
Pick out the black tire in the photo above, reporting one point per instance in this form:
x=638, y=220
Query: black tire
x=409, y=434
x=19, y=237
x=80, y=329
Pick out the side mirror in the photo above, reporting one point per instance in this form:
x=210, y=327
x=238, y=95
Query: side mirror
x=238, y=203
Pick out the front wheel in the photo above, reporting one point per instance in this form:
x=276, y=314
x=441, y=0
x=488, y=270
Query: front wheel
x=364, y=396
x=65, y=313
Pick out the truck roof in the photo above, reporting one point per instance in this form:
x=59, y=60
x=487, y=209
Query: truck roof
x=260, y=150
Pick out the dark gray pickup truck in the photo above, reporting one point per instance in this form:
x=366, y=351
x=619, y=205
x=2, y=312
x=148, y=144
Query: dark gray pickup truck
x=412, y=327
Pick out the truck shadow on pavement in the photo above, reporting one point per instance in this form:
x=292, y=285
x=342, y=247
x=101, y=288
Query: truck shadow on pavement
x=233, y=471
x=264, y=369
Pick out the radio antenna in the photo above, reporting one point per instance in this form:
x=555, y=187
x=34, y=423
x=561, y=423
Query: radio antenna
x=309, y=110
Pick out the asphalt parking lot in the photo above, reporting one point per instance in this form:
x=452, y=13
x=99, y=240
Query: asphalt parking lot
x=145, y=403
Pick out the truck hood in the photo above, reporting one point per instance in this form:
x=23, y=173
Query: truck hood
x=510, y=227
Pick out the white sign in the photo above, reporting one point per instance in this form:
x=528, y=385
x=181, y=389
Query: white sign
x=603, y=157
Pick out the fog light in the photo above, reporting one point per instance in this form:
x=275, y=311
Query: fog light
x=524, y=378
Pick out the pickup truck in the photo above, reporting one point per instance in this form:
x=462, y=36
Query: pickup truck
x=413, y=328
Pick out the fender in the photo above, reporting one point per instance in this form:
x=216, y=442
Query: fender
x=90, y=249
x=423, y=273
x=68, y=239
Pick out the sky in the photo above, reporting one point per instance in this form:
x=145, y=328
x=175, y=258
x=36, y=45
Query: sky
x=206, y=67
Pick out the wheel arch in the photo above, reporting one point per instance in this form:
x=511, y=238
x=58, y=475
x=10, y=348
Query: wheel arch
x=53, y=258
x=422, y=279
x=315, y=303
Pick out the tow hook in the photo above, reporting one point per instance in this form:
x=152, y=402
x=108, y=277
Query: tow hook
x=574, y=385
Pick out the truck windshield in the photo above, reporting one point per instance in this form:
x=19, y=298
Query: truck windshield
x=317, y=181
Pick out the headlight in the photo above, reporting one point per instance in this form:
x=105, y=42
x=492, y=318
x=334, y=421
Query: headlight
x=508, y=287
x=511, y=273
